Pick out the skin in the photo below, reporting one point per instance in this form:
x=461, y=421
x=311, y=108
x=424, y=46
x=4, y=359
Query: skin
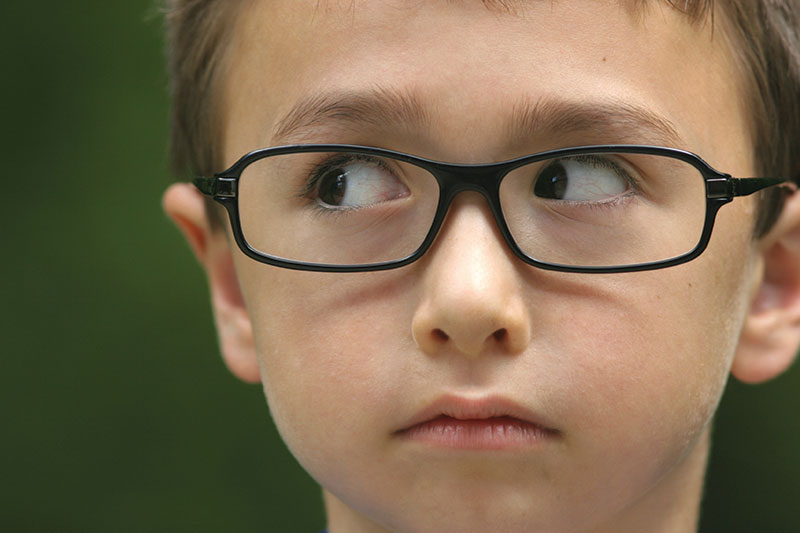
x=628, y=368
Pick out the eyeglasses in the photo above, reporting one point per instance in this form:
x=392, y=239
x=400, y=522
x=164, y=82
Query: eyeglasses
x=590, y=209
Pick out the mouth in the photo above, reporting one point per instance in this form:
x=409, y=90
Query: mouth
x=476, y=424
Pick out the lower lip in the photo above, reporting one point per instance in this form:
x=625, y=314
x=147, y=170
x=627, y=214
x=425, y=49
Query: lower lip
x=498, y=433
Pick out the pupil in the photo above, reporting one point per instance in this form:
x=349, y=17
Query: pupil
x=552, y=182
x=332, y=187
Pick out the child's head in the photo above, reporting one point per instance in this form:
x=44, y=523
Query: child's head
x=470, y=390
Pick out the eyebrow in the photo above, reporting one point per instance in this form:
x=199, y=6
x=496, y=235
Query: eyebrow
x=376, y=107
x=623, y=121
x=392, y=110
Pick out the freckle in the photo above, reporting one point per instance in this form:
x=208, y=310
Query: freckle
x=604, y=60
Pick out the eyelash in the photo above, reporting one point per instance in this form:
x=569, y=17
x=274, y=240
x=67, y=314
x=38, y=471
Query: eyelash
x=605, y=162
x=601, y=206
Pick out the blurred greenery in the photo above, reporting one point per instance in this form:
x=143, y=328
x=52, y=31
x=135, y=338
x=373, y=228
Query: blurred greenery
x=116, y=410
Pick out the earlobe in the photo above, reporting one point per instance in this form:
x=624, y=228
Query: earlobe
x=771, y=333
x=230, y=314
x=185, y=206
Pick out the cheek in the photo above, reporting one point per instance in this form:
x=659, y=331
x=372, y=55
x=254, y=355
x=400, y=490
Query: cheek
x=650, y=360
x=648, y=371
x=329, y=346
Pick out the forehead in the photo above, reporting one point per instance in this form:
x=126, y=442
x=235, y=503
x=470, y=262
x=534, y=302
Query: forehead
x=474, y=67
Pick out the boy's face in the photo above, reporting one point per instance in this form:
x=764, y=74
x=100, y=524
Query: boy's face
x=623, y=370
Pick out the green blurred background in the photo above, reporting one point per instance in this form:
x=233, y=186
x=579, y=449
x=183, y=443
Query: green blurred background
x=117, y=412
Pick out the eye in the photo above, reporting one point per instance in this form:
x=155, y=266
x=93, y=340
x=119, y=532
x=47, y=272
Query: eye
x=581, y=179
x=357, y=182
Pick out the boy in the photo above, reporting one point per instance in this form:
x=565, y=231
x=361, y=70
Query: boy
x=534, y=345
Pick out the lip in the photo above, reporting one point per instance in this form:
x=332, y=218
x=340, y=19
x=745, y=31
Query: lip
x=488, y=423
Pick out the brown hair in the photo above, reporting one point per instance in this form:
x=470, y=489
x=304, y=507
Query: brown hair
x=198, y=37
x=765, y=34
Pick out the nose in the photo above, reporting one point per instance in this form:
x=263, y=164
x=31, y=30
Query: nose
x=472, y=300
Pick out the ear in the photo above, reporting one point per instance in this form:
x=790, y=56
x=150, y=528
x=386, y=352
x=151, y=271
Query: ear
x=771, y=333
x=185, y=206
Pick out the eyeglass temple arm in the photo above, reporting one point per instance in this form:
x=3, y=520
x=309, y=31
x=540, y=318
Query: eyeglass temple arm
x=746, y=186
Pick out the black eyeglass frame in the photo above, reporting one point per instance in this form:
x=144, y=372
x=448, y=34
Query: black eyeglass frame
x=454, y=178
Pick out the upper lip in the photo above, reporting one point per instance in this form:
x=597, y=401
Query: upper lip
x=481, y=408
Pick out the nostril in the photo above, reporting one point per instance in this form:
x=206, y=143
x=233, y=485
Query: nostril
x=500, y=334
x=440, y=335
